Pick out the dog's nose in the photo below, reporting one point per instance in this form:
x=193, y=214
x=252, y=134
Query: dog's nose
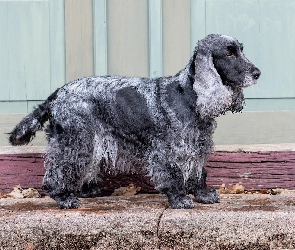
x=256, y=73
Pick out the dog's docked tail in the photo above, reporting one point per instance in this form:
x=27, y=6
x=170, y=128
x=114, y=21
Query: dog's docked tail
x=25, y=131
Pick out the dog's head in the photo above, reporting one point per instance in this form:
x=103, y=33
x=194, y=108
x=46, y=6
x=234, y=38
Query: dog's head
x=221, y=71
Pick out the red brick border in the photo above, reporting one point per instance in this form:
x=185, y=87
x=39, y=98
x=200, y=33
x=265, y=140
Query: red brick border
x=259, y=170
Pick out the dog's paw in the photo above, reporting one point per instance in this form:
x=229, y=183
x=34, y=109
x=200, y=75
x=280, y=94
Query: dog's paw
x=207, y=196
x=67, y=201
x=183, y=202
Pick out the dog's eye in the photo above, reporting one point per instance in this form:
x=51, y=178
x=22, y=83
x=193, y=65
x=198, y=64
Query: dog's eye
x=230, y=51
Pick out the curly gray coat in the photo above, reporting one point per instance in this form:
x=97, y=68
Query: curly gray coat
x=103, y=124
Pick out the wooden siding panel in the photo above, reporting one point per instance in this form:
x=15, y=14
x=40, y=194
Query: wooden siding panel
x=57, y=45
x=25, y=62
x=240, y=19
x=30, y=33
x=277, y=53
x=33, y=59
x=155, y=38
x=100, y=37
x=265, y=27
x=128, y=37
x=176, y=35
x=79, y=39
x=197, y=22
x=12, y=108
x=270, y=104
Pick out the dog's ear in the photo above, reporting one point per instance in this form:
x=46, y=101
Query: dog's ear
x=213, y=98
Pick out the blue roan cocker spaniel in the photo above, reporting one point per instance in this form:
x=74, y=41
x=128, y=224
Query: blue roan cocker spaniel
x=103, y=124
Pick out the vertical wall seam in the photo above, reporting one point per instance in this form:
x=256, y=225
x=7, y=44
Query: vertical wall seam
x=57, y=37
x=197, y=21
x=100, y=37
x=193, y=13
x=155, y=38
x=259, y=29
x=205, y=12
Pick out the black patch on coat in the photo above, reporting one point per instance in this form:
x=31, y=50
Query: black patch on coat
x=132, y=111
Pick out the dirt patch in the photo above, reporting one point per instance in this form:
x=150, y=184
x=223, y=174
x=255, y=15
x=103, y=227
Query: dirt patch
x=29, y=206
x=102, y=208
x=263, y=204
x=259, y=201
x=254, y=208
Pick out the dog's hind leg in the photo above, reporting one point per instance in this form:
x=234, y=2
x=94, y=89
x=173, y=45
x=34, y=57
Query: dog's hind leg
x=169, y=180
x=57, y=184
x=197, y=186
x=68, y=156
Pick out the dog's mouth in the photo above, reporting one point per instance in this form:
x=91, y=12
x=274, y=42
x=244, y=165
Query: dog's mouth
x=240, y=86
x=251, y=77
x=235, y=86
x=247, y=84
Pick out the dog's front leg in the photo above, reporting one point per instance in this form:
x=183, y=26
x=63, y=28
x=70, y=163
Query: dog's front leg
x=169, y=180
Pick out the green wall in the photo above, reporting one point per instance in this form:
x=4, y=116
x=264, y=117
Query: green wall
x=39, y=38
x=45, y=43
x=32, y=52
x=266, y=28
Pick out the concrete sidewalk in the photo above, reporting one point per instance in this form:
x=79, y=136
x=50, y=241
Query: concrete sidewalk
x=248, y=221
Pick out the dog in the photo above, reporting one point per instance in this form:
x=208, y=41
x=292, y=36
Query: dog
x=109, y=124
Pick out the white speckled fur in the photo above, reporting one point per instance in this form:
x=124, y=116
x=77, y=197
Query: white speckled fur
x=112, y=124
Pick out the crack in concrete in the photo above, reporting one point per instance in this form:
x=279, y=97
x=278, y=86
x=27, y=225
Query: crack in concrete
x=159, y=221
